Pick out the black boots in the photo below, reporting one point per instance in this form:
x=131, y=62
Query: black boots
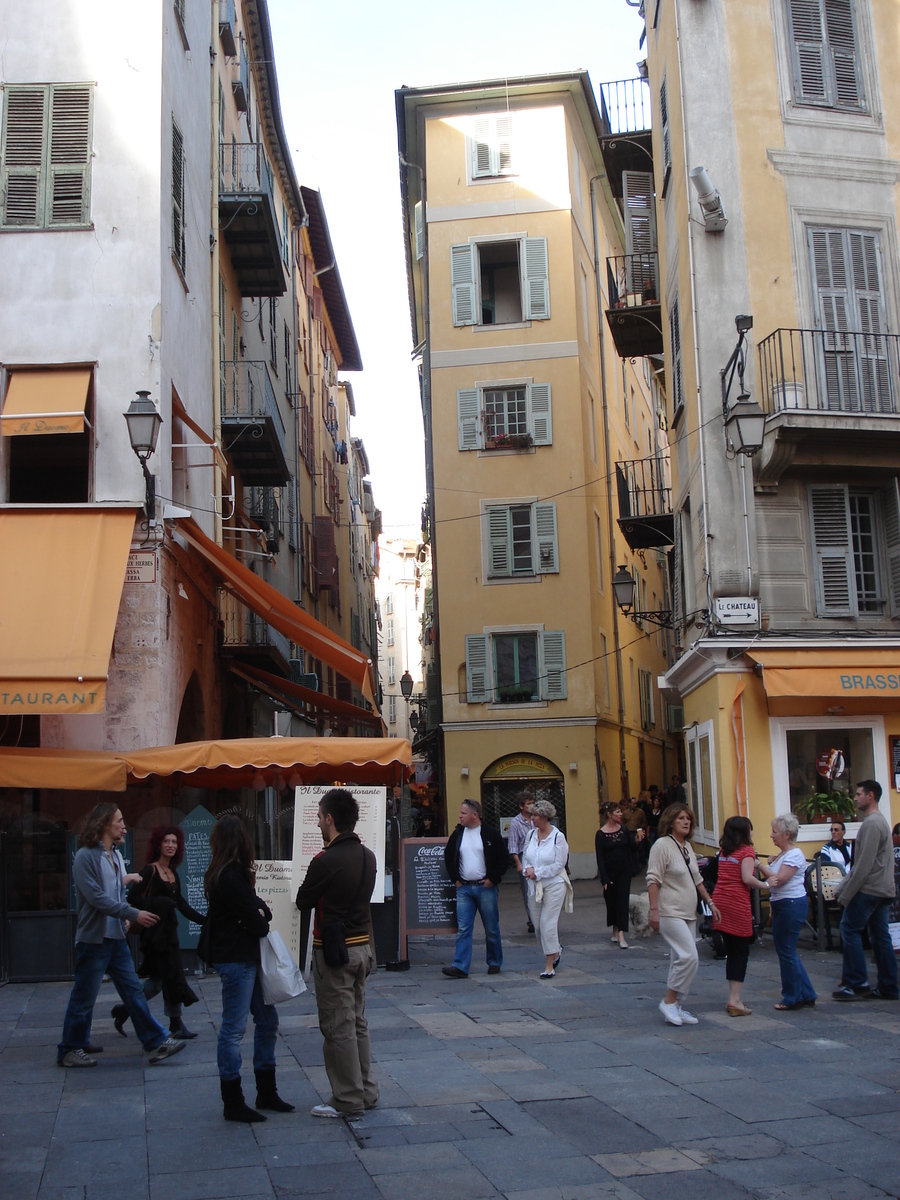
x=266, y=1094
x=119, y=1015
x=179, y=1030
x=233, y=1099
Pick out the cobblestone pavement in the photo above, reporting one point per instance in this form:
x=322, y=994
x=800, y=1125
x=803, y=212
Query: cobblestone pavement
x=493, y=1086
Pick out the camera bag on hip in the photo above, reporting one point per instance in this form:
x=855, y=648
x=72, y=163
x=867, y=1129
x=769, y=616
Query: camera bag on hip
x=334, y=938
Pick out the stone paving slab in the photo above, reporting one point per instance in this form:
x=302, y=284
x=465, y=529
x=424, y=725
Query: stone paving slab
x=495, y=1086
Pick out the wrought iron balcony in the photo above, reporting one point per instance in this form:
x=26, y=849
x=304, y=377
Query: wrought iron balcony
x=264, y=506
x=816, y=371
x=644, y=488
x=634, y=315
x=247, y=636
x=626, y=142
x=252, y=427
x=247, y=219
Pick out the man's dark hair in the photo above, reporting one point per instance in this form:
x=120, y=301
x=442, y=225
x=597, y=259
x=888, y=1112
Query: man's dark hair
x=340, y=805
x=474, y=805
x=838, y=821
x=524, y=798
x=871, y=785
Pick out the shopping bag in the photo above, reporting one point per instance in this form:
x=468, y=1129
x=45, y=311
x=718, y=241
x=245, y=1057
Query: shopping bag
x=279, y=975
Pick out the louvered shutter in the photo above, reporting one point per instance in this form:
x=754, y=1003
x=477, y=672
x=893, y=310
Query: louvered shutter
x=664, y=127
x=178, y=244
x=503, y=146
x=546, y=538
x=479, y=688
x=835, y=317
x=678, y=579
x=829, y=511
x=553, y=673
x=537, y=279
x=677, y=376
x=541, y=420
x=462, y=283
x=808, y=36
x=499, y=541
x=70, y=151
x=890, y=506
x=23, y=150
x=481, y=148
x=468, y=418
x=839, y=25
x=640, y=222
x=825, y=53
x=874, y=378
x=420, y=230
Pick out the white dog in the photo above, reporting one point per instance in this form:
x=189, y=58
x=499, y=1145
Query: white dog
x=639, y=915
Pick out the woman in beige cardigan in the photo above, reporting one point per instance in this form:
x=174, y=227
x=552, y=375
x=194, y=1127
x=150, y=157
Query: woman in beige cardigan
x=673, y=882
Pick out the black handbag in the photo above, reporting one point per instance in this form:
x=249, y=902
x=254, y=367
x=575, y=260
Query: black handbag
x=334, y=937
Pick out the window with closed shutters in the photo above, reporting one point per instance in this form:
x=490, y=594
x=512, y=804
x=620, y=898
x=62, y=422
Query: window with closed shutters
x=179, y=172
x=825, y=53
x=677, y=368
x=45, y=162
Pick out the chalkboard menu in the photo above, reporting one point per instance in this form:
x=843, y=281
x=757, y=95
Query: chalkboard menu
x=196, y=828
x=428, y=896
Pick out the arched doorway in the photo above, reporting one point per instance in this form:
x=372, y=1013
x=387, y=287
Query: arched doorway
x=506, y=777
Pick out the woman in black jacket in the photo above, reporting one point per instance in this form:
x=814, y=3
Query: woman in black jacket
x=159, y=891
x=616, y=848
x=237, y=920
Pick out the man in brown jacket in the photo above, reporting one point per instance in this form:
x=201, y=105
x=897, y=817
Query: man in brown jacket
x=339, y=885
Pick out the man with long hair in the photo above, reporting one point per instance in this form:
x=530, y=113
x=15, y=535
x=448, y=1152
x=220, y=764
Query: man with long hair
x=100, y=946
x=338, y=886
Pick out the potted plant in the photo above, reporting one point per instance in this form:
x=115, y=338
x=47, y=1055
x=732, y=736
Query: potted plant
x=820, y=807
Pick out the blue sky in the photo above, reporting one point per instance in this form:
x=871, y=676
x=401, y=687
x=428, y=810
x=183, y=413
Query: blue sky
x=338, y=65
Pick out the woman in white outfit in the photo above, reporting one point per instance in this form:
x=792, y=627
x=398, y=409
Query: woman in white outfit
x=673, y=882
x=544, y=863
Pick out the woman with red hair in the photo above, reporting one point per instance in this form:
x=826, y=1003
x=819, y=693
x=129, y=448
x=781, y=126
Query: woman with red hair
x=159, y=891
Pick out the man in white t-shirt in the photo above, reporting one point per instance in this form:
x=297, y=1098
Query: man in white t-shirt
x=476, y=858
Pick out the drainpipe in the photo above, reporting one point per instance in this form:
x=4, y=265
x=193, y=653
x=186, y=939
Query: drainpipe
x=620, y=678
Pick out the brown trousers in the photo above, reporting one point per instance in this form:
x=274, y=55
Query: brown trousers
x=341, y=1001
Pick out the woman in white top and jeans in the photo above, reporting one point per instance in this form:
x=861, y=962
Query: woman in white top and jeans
x=786, y=877
x=544, y=861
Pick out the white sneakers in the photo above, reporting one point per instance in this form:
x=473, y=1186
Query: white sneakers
x=686, y=1018
x=671, y=1012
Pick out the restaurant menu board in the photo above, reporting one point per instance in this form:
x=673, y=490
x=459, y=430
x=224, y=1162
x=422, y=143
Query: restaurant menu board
x=428, y=895
x=308, y=843
x=196, y=827
x=895, y=762
x=274, y=886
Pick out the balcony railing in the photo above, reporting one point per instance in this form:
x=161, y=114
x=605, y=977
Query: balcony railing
x=644, y=488
x=252, y=427
x=247, y=218
x=245, y=630
x=634, y=314
x=264, y=506
x=625, y=106
x=813, y=370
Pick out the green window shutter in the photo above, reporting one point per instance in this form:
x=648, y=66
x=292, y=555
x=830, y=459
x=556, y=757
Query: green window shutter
x=890, y=506
x=68, y=198
x=24, y=136
x=462, y=283
x=553, y=672
x=420, y=230
x=479, y=688
x=178, y=244
x=468, y=418
x=829, y=514
x=499, y=539
x=541, y=421
x=546, y=538
x=537, y=279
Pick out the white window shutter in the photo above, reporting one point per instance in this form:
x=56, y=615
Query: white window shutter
x=481, y=148
x=545, y=534
x=553, y=673
x=503, y=144
x=462, y=283
x=468, y=418
x=420, y=230
x=829, y=512
x=499, y=541
x=537, y=279
x=24, y=131
x=479, y=688
x=70, y=155
x=541, y=421
x=890, y=506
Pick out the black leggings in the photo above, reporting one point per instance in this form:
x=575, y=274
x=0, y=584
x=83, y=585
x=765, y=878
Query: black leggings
x=616, y=894
x=737, y=950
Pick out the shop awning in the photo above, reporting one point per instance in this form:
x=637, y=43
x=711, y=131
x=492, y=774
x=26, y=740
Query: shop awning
x=268, y=603
x=60, y=585
x=843, y=679
x=69, y=770
x=45, y=402
x=293, y=695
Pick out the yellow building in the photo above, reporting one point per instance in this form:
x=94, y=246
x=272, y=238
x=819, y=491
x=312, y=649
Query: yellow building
x=776, y=157
x=541, y=682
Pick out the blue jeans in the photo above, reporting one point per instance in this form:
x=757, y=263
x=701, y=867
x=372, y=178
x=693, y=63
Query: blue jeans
x=865, y=911
x=93, y=960
x=469, y=897
x=241, y=995
x=788, y=918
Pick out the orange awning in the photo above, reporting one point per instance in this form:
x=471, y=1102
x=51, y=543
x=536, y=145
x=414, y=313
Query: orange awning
x=292, y=694
x=45, y=402
x=60, y=585
x=268, y=603
x=72, y=770
x=813, y=680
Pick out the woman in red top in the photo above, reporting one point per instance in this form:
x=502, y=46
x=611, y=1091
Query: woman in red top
x=737, y=866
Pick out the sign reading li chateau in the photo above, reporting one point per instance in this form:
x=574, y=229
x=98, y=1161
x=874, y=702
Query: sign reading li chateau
x=737, y=610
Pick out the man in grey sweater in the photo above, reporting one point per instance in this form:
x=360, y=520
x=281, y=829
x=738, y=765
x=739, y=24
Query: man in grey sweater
x=865, y=896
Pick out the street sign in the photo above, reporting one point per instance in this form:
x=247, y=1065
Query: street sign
x=737, y=610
